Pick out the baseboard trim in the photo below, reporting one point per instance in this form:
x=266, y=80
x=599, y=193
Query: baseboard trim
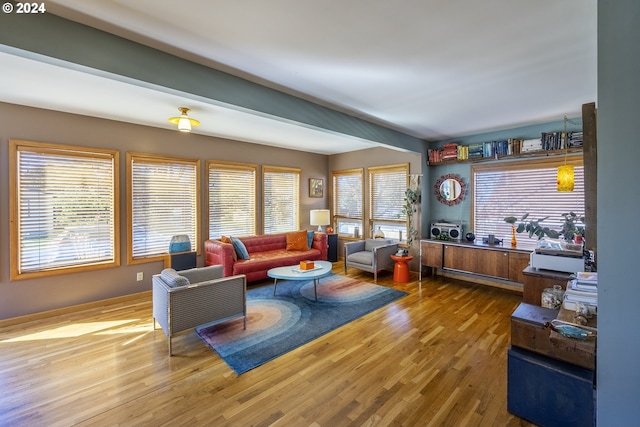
x=70, y=309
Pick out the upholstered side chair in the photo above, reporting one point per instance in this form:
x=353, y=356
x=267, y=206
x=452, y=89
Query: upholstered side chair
x=186, y=299
x=372, y=255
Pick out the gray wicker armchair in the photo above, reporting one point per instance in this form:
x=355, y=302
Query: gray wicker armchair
x=197, y=296
x=372, y=255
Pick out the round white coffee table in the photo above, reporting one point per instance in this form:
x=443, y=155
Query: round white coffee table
x=293, y=272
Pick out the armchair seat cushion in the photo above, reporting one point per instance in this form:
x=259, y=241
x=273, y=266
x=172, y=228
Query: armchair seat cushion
x=363, y=257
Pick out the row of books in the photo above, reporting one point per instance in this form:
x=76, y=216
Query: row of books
x=583, y=289
x=507, y=147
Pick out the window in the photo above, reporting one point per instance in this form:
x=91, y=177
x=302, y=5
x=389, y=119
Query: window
x=64, y=203
x=387, y=185
x=347, y=202
x=163, y=202
x=232, y=199
x=281, y=199
x=515, y=188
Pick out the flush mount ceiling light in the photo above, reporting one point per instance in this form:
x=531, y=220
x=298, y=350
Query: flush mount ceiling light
x=184, y=122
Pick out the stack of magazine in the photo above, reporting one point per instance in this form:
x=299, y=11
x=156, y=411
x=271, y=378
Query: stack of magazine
x=583, y=289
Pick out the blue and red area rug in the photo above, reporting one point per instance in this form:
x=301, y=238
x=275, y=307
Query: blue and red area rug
x=277, y=325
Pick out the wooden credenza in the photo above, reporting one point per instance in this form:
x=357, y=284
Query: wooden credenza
x=490, y=261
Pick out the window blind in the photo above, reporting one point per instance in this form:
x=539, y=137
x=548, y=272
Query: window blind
x=232, y=199
x=515, y=188
x=66, y=208
x=386, y=193
x=281, y=199
x=163, y=203
x=347, y=199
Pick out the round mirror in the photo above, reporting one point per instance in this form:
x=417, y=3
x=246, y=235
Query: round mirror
x=449, y=189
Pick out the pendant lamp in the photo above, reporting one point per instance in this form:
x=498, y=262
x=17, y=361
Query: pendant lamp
x=566, y=178
x=184, y=122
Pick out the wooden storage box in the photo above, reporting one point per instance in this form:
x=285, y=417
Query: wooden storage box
x=527, y=328
x=528, y=332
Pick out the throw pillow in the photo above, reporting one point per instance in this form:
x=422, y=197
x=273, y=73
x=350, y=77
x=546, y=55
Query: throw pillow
x=310, y=235
x=225, y=239
x=172, y=278
x=241, y=249
x=297, y=241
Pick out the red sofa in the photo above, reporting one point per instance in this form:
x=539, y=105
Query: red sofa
x=265, y=252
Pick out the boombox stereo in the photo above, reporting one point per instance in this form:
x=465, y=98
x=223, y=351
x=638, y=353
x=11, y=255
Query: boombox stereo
x=446, y=231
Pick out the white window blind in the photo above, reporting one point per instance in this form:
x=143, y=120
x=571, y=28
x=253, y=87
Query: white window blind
x=281, y=199
x=65, y=204
x=515, y=188
x=232, y=199
x=163, y=203
x=387, y=185
x=348, y=195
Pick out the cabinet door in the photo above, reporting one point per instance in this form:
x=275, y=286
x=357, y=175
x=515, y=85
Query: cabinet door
x=517, y=262
x=493, y=263
x=431, y=254
x=477, y=261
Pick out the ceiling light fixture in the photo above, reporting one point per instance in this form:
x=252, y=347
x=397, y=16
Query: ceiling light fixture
x=184, y=122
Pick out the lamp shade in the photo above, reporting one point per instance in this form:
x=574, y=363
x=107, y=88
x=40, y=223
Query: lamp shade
x=320, y=217
x=565, y=178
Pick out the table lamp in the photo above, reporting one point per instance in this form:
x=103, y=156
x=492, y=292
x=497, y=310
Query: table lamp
x=320, y=217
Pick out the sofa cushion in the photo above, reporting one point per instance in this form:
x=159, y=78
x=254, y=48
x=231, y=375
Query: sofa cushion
x=297, y=241
x=363, y=257
x=310, y=235
x=173, y=279
x=369, y=244
x=227, y=239
x=241, y=249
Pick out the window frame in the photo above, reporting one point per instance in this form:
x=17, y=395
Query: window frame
x=230, y=166
x=15, y=146
x=296, y=205
x=335, y=193
x=551, y=162
x=403, y=221
x=156, y=158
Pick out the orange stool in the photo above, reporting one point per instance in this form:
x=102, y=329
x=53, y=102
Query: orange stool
x=401, y=269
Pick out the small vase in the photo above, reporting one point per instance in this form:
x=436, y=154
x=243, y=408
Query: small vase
x=514, y=242
x=378, y=234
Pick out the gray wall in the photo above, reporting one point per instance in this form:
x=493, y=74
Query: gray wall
x=16, y=122
x=618, y=206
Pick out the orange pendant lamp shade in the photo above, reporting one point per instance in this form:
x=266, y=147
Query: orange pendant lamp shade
x=565, y=178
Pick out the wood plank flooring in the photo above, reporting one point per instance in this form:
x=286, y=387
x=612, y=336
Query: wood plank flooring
x=434, y=358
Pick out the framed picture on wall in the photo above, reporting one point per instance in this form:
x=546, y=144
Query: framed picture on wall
x=316, y=187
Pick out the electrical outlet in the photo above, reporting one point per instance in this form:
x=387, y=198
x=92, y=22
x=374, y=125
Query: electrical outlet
x=140, y=276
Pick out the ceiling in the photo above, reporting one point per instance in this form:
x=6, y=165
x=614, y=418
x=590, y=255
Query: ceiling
x=433, y=69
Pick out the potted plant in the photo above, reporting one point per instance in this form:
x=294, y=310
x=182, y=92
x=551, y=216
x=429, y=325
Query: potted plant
x=532, y=227
x=411, y=200
x=570, y=227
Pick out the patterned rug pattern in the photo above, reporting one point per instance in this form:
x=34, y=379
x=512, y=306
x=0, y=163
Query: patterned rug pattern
x=277, y=325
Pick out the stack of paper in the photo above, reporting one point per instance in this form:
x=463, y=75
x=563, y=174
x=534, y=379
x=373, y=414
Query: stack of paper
x=583, y=289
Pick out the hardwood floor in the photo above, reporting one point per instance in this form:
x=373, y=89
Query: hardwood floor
x=434, y=358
